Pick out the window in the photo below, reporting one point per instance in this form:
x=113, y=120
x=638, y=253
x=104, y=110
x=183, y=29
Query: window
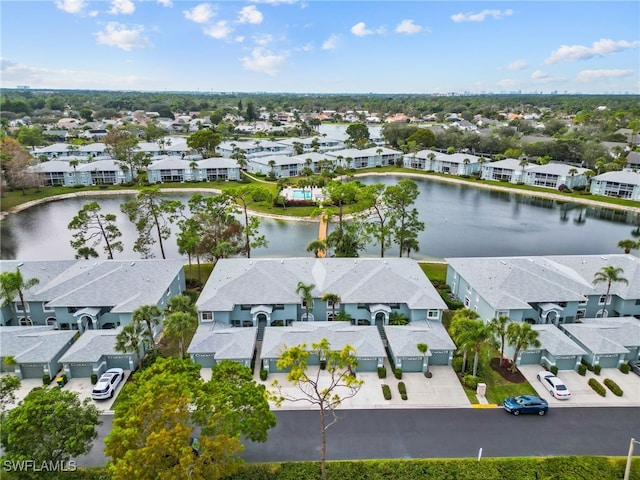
x=72, y=309
x=362, y=306
x=46, y=308
x=330, y=304
x=468, y=288
x=467, y=302
x=278, y=306
x=394, y=306
x=603, y=298
x=502, y=313
x=433, y=314
x=247, y=323
x=26, y=321
x=51, y=321
x=235, y=323
x=207, y=316
x=19, y=306
x=581, y=313
x=584, y=302
x=245, y=307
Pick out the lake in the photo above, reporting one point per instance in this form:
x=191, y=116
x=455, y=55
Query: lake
x=460, y=221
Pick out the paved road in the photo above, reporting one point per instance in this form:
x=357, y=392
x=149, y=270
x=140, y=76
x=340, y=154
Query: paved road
x=431, y=433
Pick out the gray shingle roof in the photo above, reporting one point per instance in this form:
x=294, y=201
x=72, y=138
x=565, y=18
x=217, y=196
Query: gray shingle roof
x=403, y=340
x=33, y=344
x=554, y=341
x=362, y=280
x=365, y=339
x=624, y=176
x=228, y=343
x=607, y=335
x=92, y=346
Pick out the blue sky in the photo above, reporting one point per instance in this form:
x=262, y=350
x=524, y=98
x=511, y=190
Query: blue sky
x=322, y=46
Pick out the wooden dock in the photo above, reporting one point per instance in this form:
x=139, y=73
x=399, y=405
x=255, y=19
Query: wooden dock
x=322, y=233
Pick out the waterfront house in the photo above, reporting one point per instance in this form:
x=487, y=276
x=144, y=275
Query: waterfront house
x=217, y=169
x=171, y=169
x=552, y=175
x=507, y=170
x=620, y=184
x=102, y=172
x=403, y=343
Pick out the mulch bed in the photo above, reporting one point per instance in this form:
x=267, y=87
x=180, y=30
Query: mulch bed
x=505, y=371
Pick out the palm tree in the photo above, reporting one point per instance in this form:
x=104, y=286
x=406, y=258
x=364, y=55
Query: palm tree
x=317, y=246
x=478, y=335
x=307, y=298
x=272, y=165
x=150, y=315
x=130, y=339
x=422, y=348
x=628, y=245
x=460, y=325
x=524, y=161
x=398, y=318
x=466, y=162
x=177, y=325
x=331, y=298
x=12, y=284
x=522, y=336
x=181, y=303
x=609, y=274
x=498, y=326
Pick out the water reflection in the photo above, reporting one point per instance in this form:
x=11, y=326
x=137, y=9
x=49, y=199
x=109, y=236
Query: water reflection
x=459, y=222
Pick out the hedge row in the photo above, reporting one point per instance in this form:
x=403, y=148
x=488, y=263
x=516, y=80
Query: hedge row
x=597, y=386
x=585, y=468
x=613, y=386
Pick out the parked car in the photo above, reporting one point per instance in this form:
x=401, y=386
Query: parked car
x=554, y=385
x=635, y=366
x=526, y=404
x=107, y=384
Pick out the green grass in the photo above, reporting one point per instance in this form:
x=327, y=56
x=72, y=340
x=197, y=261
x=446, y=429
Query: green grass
x=435, y=272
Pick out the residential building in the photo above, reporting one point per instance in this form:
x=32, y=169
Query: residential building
x=552, y=175
x=620, y=184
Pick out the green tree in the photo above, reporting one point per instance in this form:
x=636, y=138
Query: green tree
x=8, y=386
x=498, y=326
x=31, y=136
x=131, y=340
x=398, y=318
x=317, y=246
x=16, y=161
x=423, y=137
x=12, y=284
x=333, y=299
x=521, y=336
x=188, y=240
x=478, y=334
x=461, y=324
x=49, y=425
x=122, y=143
x=628, y=244
x=153, y=428
x=325, y=392
x=150, y=315
x=149, y=212
x=179, y=325
x=403, y=218
x=609, y=275
x=358, y=134
x=94, y=227
x=204, y=142
x=423, y=348
x=305, y=292
x=181, y=303
x=378, y=224
x=246, y=196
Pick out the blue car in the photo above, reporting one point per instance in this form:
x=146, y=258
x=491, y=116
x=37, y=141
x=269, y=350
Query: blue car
x=526, y=404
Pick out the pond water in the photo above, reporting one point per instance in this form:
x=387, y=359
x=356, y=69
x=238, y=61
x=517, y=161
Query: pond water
x=460, y=221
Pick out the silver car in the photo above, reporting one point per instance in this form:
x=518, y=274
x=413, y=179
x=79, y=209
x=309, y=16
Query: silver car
x=554, y=385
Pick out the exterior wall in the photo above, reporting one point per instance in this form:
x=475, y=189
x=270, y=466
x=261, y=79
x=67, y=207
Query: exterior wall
x=563, y=362
x=615, y=189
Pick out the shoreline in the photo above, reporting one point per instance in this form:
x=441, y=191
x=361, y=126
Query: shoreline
x=276, y=216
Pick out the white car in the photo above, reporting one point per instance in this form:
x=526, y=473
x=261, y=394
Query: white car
x=554, y=385
x=107, y=384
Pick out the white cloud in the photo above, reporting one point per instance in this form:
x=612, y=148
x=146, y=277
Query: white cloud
x=275, y=2
x=539, y=75
x=481, y=16
x=117, y=35
x=125, y=7
x=200, y=13
x=600, y=48
x=516, y=65
x=332, y=42
x=361, y=30
x=93, y=13
x=165, y=3
x=262, y=60
x=219, y=31
x=263, y=40
x=408, y=27
x=591, y=75
x=250, y=14
x=71, y=6
x=239, y=39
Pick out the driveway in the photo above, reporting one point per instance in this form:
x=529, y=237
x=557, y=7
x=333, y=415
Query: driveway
x=81, y=386
x=582, y=395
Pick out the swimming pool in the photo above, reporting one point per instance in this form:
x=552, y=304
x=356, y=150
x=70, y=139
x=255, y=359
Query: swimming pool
x=300, y=194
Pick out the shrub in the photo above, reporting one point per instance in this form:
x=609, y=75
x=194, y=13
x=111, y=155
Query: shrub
x=554, y=369
x=398, y=373
x=94, y=379
x=624, y=368
x=402, y=388
x=46, y=379
x=582, y=369
x=597, y=387
x=263, y=374
x=596, y=369
x=386, y=391
x=470, y=381
x=613, y=386
x=588, y=365
x=323, y=364
x=456, y=364
x=382, y=372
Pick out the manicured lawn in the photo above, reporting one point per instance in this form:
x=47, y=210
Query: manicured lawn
x=435, y=272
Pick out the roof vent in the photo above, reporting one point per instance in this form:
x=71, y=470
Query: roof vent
x=503, y=262
x=132, y=263
x=20, y=264
x=603, y=257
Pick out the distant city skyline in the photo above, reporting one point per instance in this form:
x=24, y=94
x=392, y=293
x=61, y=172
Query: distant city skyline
x=323, y=47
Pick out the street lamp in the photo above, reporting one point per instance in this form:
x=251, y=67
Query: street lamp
x=627, y=470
